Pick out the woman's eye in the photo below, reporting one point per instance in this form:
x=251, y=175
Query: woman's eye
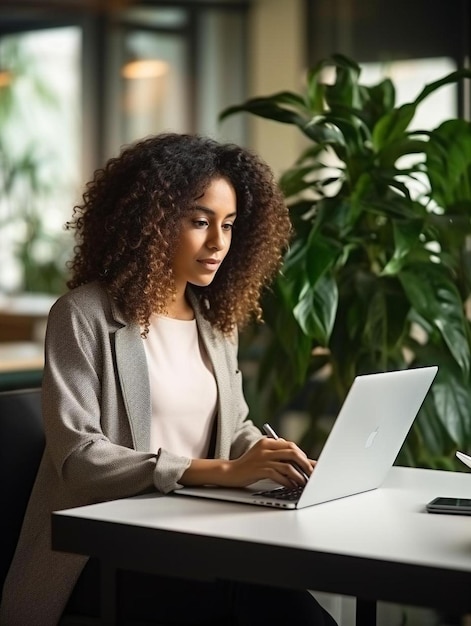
x=200, y=223
x=228, y=226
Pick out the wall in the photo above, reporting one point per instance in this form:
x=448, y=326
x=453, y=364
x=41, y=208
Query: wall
x=276, y=63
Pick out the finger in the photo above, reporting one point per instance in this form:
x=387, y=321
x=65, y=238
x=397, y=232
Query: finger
x=273, y=444
x=294, y=456
x=282, y=479
x=291, y=473
x=299, y=455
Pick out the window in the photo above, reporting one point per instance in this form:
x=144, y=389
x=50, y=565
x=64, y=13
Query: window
x=413, y=42
x=39, y=154
x=174, y=69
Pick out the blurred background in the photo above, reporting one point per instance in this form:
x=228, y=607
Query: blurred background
x=80, y=78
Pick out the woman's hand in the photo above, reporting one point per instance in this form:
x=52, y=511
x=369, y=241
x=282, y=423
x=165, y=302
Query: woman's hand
x=268, y=458
x=271, y=458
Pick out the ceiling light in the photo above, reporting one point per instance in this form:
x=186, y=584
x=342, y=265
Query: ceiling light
x=145, y=68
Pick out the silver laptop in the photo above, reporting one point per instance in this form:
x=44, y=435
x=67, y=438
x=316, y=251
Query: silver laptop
x=363, y=444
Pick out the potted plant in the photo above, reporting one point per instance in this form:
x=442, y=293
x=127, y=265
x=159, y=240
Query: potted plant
x=378, y=275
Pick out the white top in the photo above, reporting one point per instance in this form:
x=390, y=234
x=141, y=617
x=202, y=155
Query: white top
x=182, y=387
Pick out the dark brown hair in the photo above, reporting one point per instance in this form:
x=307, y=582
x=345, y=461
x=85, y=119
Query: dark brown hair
x=127, y=226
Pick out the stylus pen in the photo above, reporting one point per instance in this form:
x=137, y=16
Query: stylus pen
x=271, y=433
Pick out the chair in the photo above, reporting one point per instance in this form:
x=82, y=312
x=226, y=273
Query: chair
x=21, y=448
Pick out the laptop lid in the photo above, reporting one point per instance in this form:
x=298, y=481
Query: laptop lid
x=368, y=433
x=363, y=444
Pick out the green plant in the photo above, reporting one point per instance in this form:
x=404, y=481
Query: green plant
x=378, y=275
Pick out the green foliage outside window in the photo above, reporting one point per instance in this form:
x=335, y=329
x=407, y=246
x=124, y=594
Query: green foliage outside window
x=29, y=178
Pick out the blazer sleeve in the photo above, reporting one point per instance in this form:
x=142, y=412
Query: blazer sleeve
x=88, y=435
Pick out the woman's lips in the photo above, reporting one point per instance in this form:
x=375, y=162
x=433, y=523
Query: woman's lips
x=209, y=264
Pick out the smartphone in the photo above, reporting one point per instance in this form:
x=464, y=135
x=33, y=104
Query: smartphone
x=456, y=506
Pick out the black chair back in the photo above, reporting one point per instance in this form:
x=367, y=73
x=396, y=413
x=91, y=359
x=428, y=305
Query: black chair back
x=21, y=448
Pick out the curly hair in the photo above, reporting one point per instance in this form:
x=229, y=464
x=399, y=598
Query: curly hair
x=128, y=224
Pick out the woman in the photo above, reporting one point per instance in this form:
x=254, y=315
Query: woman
x=176, y=238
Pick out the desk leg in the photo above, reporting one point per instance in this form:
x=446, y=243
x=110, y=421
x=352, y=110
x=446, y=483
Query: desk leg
x=365, y=613
x=109, y=575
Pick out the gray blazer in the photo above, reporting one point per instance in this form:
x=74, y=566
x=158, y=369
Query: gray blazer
x=96, y=408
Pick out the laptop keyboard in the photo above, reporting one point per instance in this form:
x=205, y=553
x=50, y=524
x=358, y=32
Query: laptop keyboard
x=283, y=493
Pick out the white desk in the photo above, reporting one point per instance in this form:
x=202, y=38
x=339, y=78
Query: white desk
x=379, y=545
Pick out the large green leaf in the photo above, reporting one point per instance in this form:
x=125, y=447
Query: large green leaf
x=451, y=229
x=321, y=255
x=448, y=160
x=323, y=131
x=345, y=89
x=266, y=106
x=436, y=298
x=406, y=145
x=375, y=328
x=379, y=100
x=430, y=427
x=317, y=88
x=287, y=332
x=334, y=217
x=406, y=237
x=316, y=309
x=392, y=126
x=452, y=78
x=453, y=398
x=311, y=155
x=353, y=132
x=298, y=179
x=448, y=421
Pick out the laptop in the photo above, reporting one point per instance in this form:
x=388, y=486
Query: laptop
x=363, y=444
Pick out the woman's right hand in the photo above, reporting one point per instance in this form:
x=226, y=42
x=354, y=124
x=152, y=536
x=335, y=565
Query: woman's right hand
x=270, y=458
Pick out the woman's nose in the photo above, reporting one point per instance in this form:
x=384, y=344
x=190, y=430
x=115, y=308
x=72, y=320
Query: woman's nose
x=216, y=241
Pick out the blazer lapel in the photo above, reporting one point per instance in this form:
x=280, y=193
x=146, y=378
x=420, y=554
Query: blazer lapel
x=133, y=376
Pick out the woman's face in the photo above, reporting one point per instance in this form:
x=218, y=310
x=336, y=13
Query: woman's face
x=205, y=237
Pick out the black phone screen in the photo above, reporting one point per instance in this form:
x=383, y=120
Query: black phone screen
x=459, y=506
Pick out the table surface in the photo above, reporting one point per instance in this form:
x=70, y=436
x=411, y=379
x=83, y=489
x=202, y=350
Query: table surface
x=26, y=304
x=21, y=355
x=379, y=545
x=23, y=317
